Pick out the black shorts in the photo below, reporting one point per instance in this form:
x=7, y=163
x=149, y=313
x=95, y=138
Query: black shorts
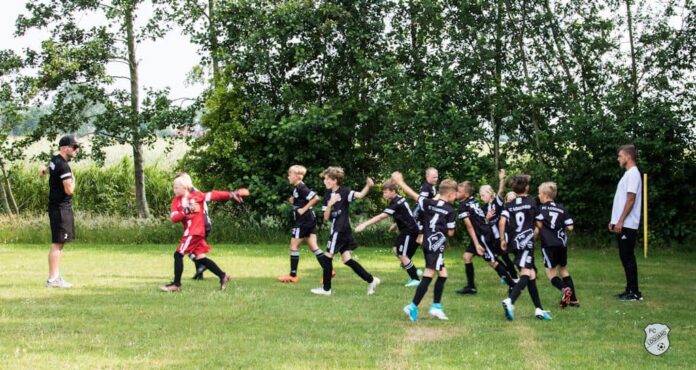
x=554, y=256
x=434, y=260
x=62, y=224
x=524, y=259
x=341, y=242
x=406, y=244
x=303, y=231
x=491, y=248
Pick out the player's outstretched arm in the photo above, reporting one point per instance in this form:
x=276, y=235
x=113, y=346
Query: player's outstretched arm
x=368, y=184
x=371, y=221
x=501, y=183
x=398, y=178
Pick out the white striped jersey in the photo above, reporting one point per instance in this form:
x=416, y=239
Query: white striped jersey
x=556, y=219
x=521, y=215
x=301, y=195
x=340, y=218
x=399, y=209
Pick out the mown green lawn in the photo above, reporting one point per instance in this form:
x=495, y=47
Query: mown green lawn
x=116, y=318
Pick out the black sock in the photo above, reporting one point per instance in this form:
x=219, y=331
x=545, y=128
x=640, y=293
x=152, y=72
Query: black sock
x=411, y=270
x=509, y=266
x=534, y=293
x=502, y=272
x=212, y=266
x=439, y=288
x=558, y=283
x=321, y=258
x=199, y=268
x=359, y=270
x=569, y=282
x=469, y=267
x=421, y=290
x=178, y=268
x=294, y=261
x=328, y=269
x=518, y=288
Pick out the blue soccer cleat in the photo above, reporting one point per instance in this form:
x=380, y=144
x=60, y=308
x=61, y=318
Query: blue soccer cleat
x=412, y=311
x=509, y=309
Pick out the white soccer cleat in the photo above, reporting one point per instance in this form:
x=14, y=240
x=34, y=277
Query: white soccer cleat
x=373, y=285
x=437, y=312
x=321, y=291
x=58, y=283
x=541, y=314
x=509, y=309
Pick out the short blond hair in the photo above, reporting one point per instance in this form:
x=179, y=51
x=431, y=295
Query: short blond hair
x=390, y=185
x=334, y=173
x=488, y=189
x=447, y=186
x=549, y=188
x=298, y=170
x=184, y=180
x=466, y=186
x=430, y=170
x=510, y=196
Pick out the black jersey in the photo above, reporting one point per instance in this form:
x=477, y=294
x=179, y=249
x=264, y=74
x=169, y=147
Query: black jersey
x=521, y=215
x=340, y=219
x=497, y=207
x=470, y=209
x=427, y=190
x=301, y=195
x=556, y=219
x=399, y=209
x=440, y=216
x=59, y=170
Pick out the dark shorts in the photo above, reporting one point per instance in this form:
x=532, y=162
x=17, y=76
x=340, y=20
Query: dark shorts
x=62, y=224
x=524, y=259
x=434, y=260
x=303, y=231
x=434, y=250
x=491, y=248
x=554, y=256
x=406, y=244
x=341, y=242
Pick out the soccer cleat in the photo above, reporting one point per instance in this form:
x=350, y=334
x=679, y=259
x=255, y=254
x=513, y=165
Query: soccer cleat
x=170, y=288
x=224, y=281
x=565, y=297
x=419, y=272
x=288, y=279
x=541, y=314
x=321, y=291
x=412, y=311
x=373, y=285
x=467, y=290
x=619, y=295
x=437, y=312
x=58, y=283
x=509, y=309
x=575, y=304
x=631, y=296
x=503, y=282
x=199, y=273
x=412, y=282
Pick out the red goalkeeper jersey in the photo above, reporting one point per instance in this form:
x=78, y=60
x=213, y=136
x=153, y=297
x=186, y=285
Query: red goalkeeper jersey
x=194, y=223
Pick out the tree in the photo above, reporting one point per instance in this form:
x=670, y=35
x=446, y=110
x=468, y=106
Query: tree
x=72, y=70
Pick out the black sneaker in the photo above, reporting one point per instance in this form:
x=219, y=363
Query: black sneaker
x=631, y=296
x=619, y=295
x=467, y=290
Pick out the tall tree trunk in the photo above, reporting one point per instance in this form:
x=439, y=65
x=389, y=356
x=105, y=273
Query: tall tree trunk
x=634, y=78
x=213, y=39
x=140, y=196
x=8, y=194
x=534, y=115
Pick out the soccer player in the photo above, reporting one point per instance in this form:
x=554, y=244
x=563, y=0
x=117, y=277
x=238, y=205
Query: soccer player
x=524, y=218
x=493, y=205
x=427, y=190
x=61, y=184
x=482, y=240
x=336, y=205
x=186, y=209
x=405, y=245
x=305, y=226
x=554, y=242
x=440, y=219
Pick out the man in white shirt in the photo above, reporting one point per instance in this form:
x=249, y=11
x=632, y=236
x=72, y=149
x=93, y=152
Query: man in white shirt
x=625, y=219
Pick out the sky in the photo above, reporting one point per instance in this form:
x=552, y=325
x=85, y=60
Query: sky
x=163, y=63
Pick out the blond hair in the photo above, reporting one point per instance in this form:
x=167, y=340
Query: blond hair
x=334, y=173
x=510, y=196
x=549, y=188
x=390, y=185
x=430, y=170
x=184, y=180
x=447, y=186
x=466, y=186
x=298, y=170
x=488, y=189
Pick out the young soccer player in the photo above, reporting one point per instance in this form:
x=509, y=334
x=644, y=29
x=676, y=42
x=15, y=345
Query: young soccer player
x=336, y=206
x=427, y=190
x=554, y=241
x=405, y=245
x=493, y=205
x=440, y=219
x=522, y=215
x=482, y=240
x=187, y=208
x=305, y=227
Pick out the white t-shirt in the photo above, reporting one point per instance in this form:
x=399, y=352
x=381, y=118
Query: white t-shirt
x=630, y=183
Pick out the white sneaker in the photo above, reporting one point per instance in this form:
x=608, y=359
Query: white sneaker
x=321, y=291
x=509, y=309
x=437, y=312
x=371, y=286
x=541, y=314
x=58, y=283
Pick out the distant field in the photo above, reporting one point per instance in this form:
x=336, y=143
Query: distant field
x=116, y=318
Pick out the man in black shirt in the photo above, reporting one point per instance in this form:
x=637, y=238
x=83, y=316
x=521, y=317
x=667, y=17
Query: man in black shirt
x=61, y=188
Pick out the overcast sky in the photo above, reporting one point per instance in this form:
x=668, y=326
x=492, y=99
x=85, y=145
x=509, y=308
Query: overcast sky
x=163, y=63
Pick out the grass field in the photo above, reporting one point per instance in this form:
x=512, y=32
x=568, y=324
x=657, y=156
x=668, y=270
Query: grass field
x=116, y=318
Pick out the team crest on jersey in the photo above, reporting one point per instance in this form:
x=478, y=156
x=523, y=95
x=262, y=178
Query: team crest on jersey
x=524, y=239
x=562, y=236
x=436, y=242
x=295, y=193
x=657, y=338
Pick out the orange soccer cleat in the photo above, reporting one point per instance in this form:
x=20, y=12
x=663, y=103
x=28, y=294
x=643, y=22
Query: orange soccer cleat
x=288, y=279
